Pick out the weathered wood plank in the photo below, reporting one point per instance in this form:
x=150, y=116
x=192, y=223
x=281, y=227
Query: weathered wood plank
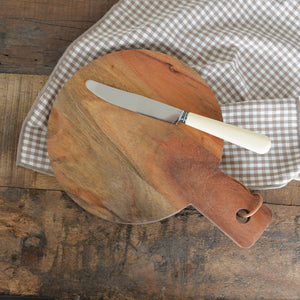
x=17, y=93
x=34, y=34
x=58, y=249
x=288, y=195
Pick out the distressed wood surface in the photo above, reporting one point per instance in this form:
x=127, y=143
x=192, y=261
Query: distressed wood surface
x=17, y=93
x=34, y=34
x=54, y=248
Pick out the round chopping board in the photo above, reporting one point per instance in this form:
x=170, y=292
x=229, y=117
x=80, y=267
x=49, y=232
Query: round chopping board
x=129, y=168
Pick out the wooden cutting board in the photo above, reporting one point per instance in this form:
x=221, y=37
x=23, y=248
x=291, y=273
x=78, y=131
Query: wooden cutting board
x=129, y=168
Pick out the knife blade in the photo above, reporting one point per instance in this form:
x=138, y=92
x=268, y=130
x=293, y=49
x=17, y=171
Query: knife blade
x=245, y=138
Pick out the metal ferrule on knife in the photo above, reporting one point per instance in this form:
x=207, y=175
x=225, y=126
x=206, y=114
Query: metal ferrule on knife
x=182, y=117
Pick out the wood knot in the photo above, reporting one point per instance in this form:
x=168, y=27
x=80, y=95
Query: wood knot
x=33, y=246
x=172, y=69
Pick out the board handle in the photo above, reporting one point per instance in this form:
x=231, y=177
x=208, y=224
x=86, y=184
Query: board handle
x=233, y=209
x=248, y=139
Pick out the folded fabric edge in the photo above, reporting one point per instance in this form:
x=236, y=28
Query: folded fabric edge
x=32, y=168
x=294, y=175
x=37, y=99
x=298, y=112
x=269, y=187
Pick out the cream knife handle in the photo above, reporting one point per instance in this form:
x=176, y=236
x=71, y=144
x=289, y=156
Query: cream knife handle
x=250, y=140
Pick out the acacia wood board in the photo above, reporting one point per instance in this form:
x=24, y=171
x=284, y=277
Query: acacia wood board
x=128, y=168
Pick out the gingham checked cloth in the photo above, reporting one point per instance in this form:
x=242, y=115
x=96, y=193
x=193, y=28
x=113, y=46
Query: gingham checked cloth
x=248, y=51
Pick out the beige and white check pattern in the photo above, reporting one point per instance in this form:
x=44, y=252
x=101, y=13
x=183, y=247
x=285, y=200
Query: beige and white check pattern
x=248, y=51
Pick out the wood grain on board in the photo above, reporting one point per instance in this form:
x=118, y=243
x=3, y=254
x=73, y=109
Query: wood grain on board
x=129, y=168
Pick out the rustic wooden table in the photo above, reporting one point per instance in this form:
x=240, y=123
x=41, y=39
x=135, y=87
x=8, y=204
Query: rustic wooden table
x=50, y=247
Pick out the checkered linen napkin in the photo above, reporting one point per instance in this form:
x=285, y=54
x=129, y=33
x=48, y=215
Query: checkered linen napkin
x=248, y=51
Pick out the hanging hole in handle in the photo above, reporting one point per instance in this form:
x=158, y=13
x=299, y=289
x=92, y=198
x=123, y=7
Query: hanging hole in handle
x=239, y=216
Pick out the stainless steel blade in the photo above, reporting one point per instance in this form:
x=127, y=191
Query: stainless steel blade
x=136, y=103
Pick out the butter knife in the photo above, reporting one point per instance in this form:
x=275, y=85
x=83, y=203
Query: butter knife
x=247, y=139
